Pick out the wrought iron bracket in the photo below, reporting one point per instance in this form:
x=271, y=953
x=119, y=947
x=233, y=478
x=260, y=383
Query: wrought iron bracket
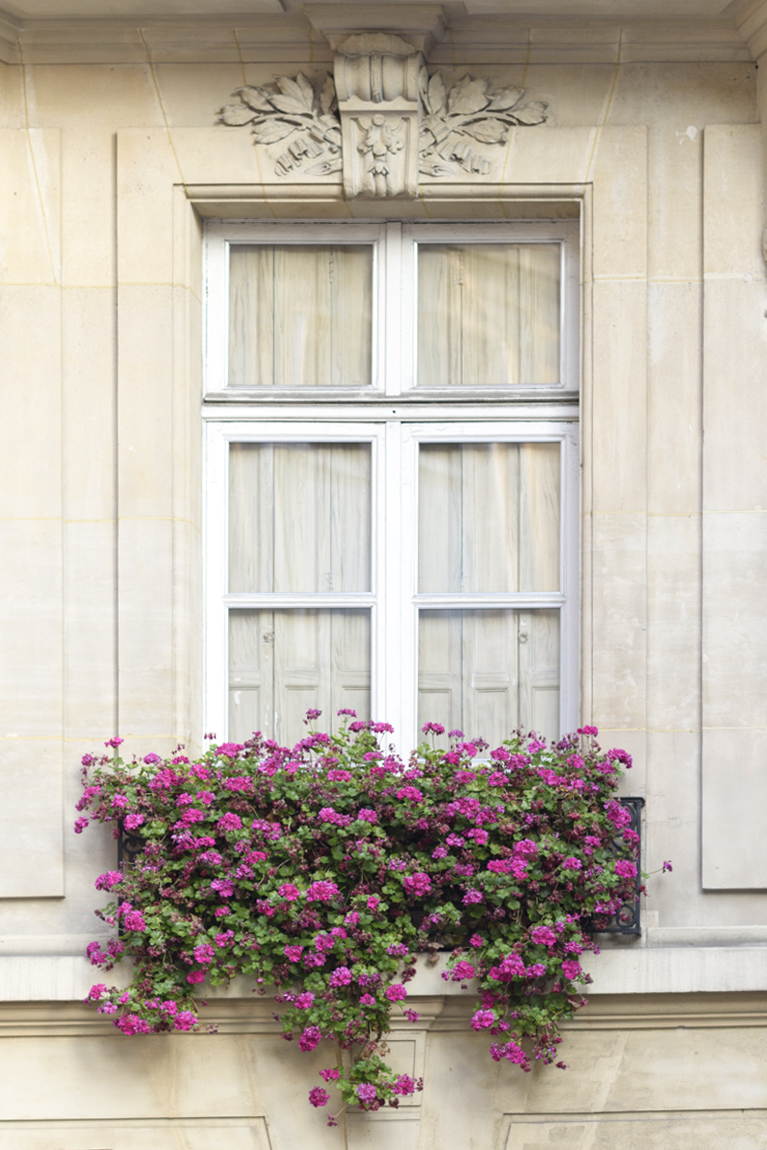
x=129, y=847
x=627, y=920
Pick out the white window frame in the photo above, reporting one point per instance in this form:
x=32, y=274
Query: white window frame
x=393, y=319
x=219, y=601
x=395, y=416
x=565, y=600
x=393, y=599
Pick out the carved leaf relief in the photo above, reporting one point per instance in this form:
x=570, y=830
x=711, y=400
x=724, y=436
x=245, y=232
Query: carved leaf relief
x=469, y=110
x=328, y=100
x=292, y=109
x=467, y=96
x=488, y=131
x=272, y=130
x=255, y=99
x=456, y=119
x=505, y=98
x=531, y=114
x=300, y=89
x=436, y=95
x=235, y=115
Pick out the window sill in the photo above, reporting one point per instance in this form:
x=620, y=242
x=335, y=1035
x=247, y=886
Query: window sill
x=639, y=971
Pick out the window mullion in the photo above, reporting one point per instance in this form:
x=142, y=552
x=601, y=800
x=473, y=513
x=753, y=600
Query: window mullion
x=392, y=311
x=569, y=630
x=397, y=654
x=216, y=581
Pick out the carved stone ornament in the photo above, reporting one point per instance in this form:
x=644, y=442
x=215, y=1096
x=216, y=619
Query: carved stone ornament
x=378, y=98
x=382, y=120
x=298, y=115
x=470, y=112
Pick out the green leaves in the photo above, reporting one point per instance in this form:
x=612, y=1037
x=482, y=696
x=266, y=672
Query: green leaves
x=319, y=882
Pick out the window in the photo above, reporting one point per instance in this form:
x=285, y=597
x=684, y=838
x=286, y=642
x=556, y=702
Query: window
x=392, y=462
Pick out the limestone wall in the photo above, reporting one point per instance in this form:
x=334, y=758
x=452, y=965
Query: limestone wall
x=107, y=171
x=660, y=1071
x=101, y=486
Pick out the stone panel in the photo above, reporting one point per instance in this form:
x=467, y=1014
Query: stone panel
x=30, y=206
x=31, y=515
x=236, y=1134
x=734, y=513
x=669, y=1131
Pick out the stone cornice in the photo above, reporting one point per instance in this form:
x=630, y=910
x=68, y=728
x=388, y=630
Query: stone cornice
x=623, y=972
x=420, y=25
x=449, y=1010
x=494, y=39
x=304, y=37
x=752, y=26
x=9, y=35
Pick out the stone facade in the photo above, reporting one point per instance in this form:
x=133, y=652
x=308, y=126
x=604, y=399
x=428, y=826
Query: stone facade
x=113, y=153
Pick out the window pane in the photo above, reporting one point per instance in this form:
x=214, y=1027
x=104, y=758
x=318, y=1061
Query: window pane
x=489, y=672
x=488, y=517
x=488, y=314
x=281, y=663
x=300, y=315
x=299, y=517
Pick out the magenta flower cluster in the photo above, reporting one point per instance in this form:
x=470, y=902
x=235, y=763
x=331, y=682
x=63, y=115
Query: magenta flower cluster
x=326, y=869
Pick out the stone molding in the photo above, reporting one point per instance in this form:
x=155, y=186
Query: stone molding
x=751, y=22
x=270, y=37
x=752, y=25
x=382, y=120
x=422, y=26
x=243, y=1013
x=620, y=973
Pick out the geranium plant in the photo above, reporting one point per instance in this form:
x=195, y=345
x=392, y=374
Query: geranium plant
x=324, y=870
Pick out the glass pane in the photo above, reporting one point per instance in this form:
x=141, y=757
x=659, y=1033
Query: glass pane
x=281, y=663
x=488, y=672
x=488, y=517
x=488, y=314
x=300, y=315
x=299, y=517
